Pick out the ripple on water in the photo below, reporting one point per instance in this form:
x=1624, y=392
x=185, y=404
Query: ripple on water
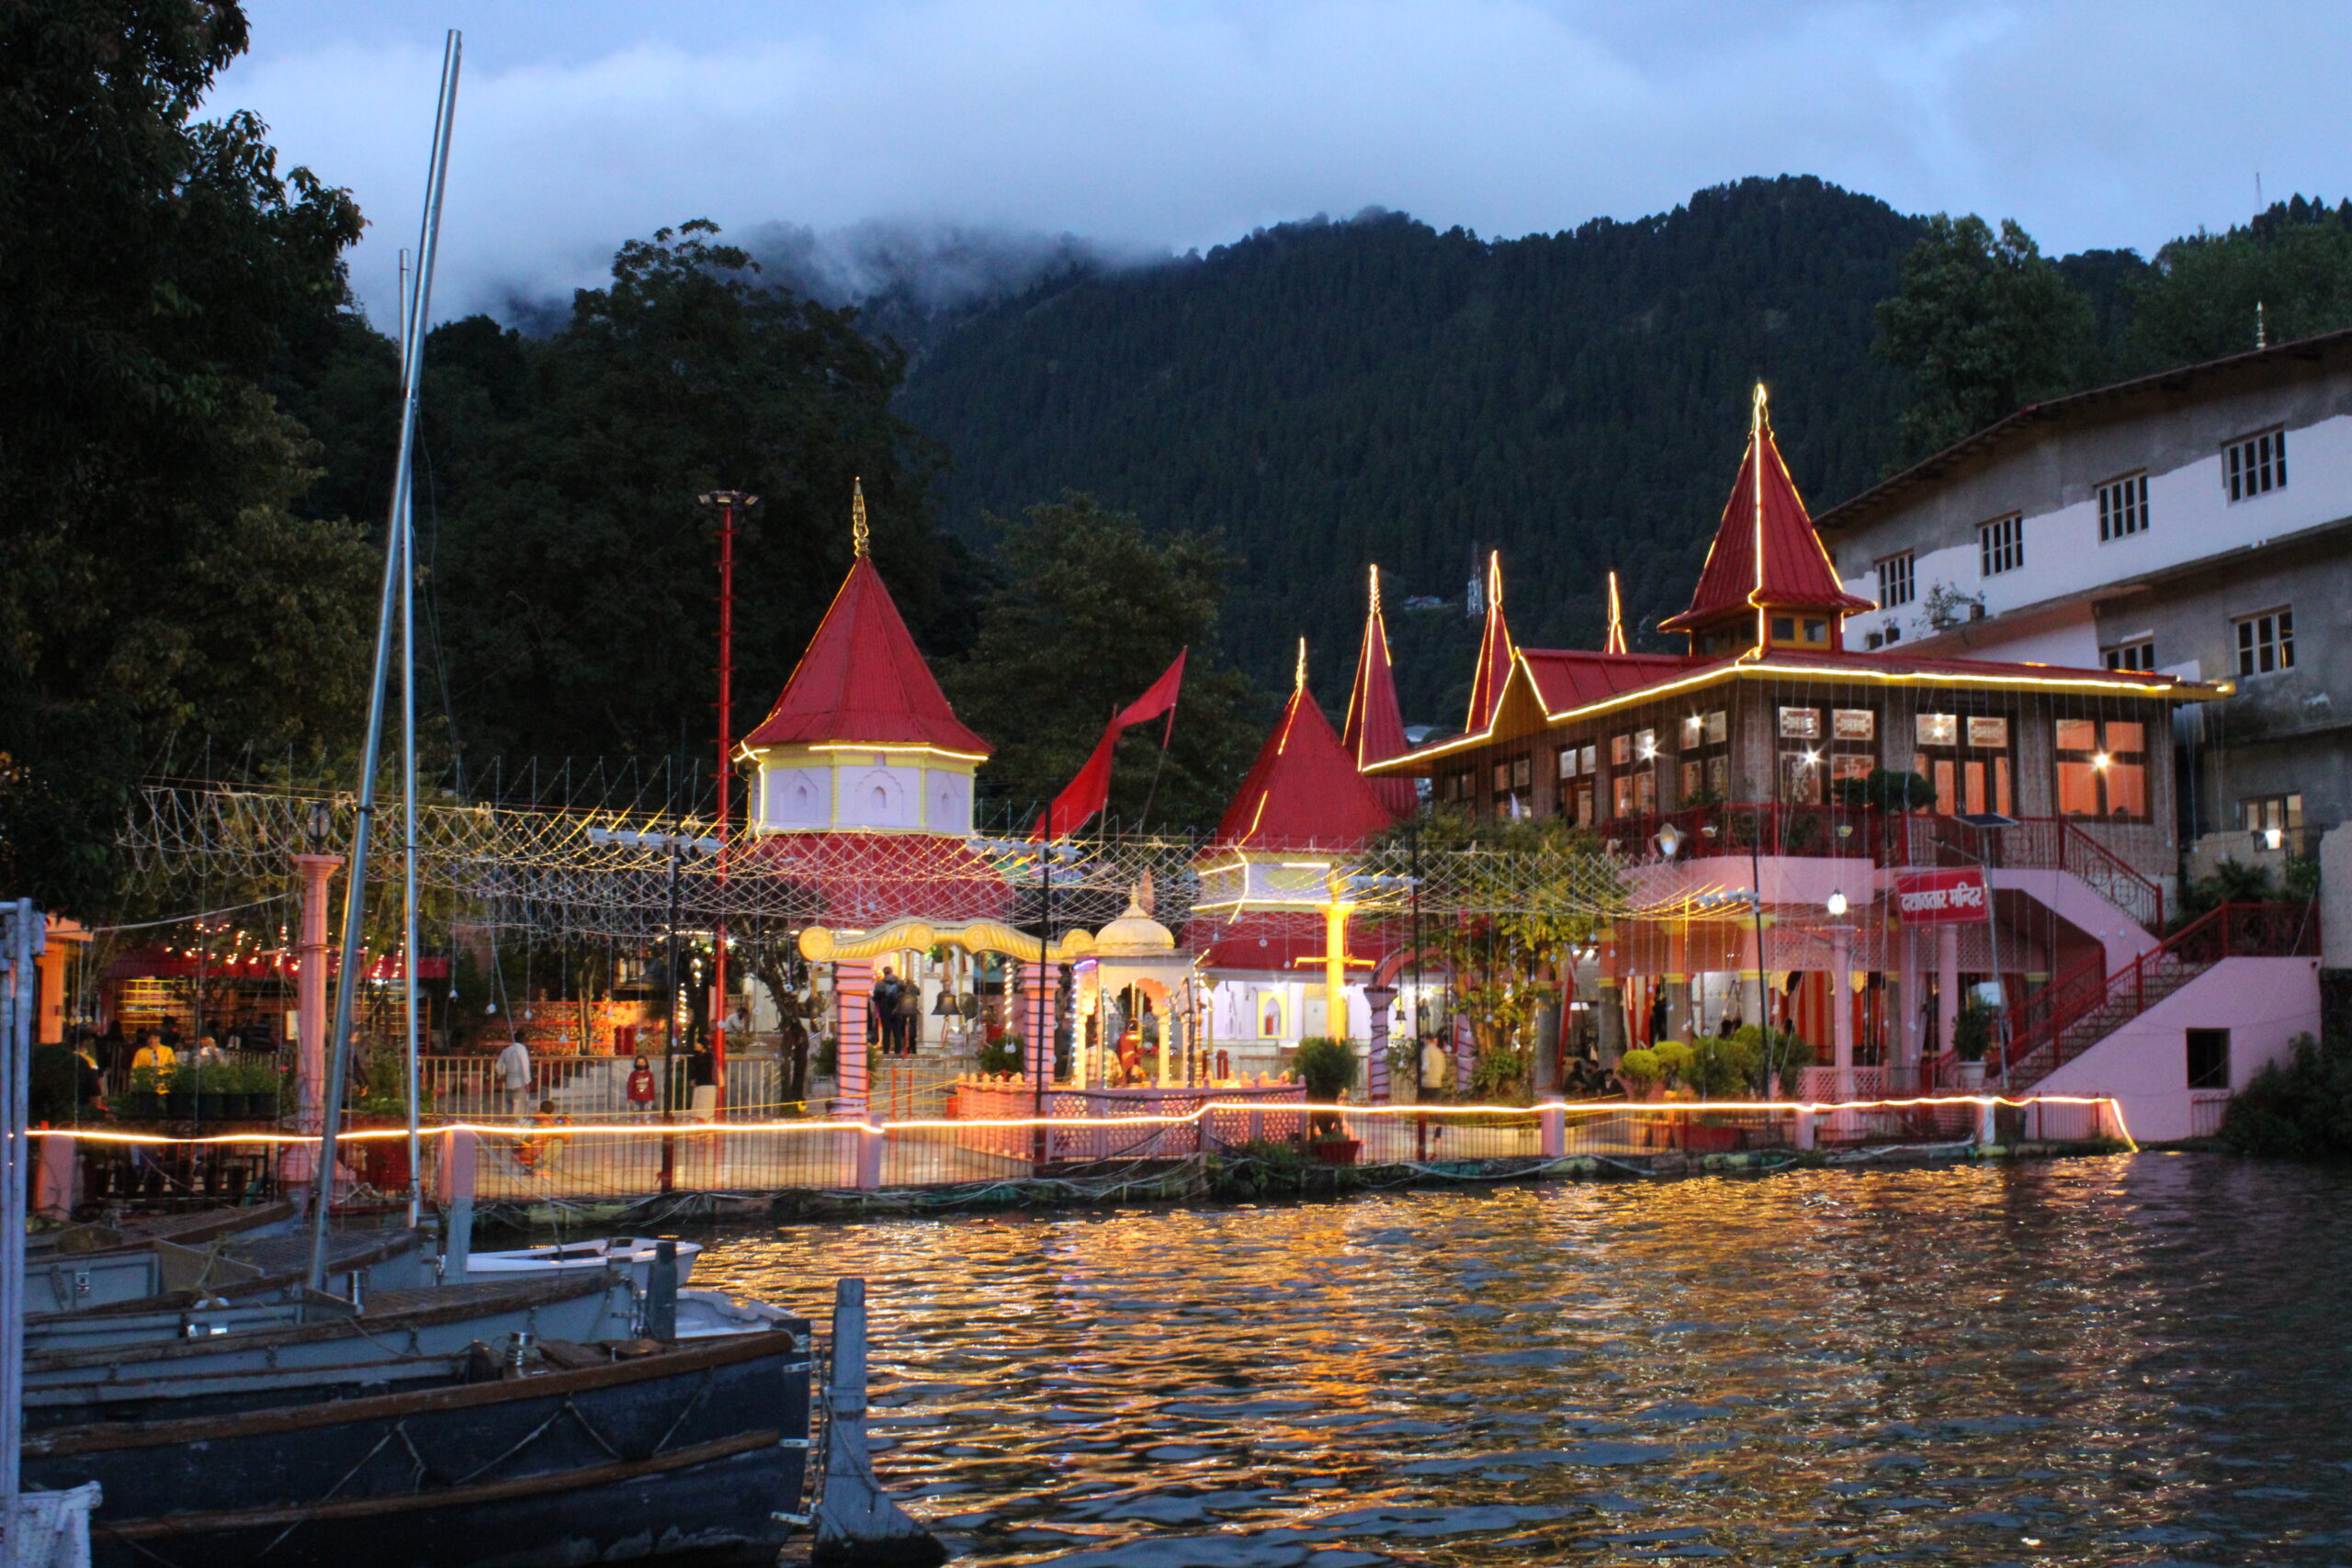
x=1971, y=1367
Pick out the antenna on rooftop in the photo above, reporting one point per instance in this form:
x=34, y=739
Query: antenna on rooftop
x=2261, y=328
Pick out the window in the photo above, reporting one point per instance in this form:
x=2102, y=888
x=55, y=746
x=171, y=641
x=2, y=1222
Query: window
x=2269, y=813
x=2140, y=655
x=2255, y=465
x=2266, y=642
x=2000, y=545
x=2102, y=769
x=2208, y=1059
x=1645, y=744
x=1968, y=762
x=1706, y=762
x=1800, y=724
x=1854, y=724
x=1784, y=628
x=1816, y=631
x=2122, y=507
x=1894, y=581
x=1621, y=750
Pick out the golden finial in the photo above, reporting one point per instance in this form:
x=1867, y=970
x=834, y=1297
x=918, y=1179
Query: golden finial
x=1616, y=643
x=1375, y=590
x=858, y=533
x=1298, y=681
x=1493, y=580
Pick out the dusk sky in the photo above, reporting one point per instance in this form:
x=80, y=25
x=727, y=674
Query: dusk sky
x=1153, y=125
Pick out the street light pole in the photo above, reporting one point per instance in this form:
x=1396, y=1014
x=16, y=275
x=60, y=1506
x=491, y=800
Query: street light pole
x=727, y=501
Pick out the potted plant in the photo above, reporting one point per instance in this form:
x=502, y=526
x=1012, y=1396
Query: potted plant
x=1328, y=1068
x=145, y=1099
x=1674, y=1060
x=1971, y=1036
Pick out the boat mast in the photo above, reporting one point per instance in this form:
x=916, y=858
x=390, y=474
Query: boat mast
x=355, y=901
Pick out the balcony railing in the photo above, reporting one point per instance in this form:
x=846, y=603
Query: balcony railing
x=1896, y=839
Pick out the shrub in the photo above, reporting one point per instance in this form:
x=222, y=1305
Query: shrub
x=1641, y=1070
x=1327, y=1067
x=1673, y=1060
x=2300, y=1109
x=1971, y=1031
x=1004, y=1057
x=1728, y=1067
x=1883, y=789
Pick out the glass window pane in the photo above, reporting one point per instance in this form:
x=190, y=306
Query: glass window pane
x=2124, y=736
x=2077, y=789
x=2077, y=735
x=1939, y=730
x=2127, y=791
x=1993, y=733
x=1717, y=728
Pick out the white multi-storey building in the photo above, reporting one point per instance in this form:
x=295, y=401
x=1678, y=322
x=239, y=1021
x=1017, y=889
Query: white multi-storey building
x=2197, y=522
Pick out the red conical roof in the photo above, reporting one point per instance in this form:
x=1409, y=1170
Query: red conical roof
x=861, y=680
x=1496, y=652
x=1375, y=727
x=1302, y=791
x=1766, y=553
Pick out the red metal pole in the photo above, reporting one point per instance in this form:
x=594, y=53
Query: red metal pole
x=727, y=501
x=726, y=770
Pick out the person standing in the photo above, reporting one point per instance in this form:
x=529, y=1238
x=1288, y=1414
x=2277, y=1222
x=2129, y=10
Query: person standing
x=640, y=1088
x=882, y=1006
x=514, y=1072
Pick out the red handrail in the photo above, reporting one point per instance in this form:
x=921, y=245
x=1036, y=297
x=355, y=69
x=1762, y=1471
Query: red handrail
x=2144, y=899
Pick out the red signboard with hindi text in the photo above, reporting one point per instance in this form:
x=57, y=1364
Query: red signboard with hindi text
x=1941, y=897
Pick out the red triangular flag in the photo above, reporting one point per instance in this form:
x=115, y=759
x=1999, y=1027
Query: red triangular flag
x=1090, y=790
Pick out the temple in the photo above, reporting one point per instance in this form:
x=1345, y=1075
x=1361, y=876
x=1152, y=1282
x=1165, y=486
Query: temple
x=1863, y=844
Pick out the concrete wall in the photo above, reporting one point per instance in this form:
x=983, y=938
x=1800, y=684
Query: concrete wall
x=2202, y=562
x=2264, y=1003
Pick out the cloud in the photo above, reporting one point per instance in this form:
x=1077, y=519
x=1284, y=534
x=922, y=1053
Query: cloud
x=1150, y=123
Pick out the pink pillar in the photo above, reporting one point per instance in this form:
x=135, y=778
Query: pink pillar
x=1036, y=980
x=310, y=990
x=853, y=996
x=1911, y=1020
x=1841, y=1010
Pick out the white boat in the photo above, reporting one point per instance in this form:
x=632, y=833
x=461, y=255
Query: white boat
x=634, y=1253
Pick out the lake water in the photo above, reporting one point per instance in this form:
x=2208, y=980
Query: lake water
x=2134, y=1360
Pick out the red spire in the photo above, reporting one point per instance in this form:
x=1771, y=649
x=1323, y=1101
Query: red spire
x=861, y=680
x=1304, y=790
x=1496, y=651
x=1375, y=727
x=1766, y=553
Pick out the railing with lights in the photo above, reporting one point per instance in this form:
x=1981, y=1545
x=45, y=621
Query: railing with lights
x=626, y=1161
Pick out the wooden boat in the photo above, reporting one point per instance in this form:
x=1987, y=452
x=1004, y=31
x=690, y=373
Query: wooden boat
x=94, y=1265
x=634, y=1253
x=590, y=1454
x=702, y=1315
x=441, y=1320
x=252, y=1289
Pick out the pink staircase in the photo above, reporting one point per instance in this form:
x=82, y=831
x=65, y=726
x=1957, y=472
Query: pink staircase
x=2083, y=1006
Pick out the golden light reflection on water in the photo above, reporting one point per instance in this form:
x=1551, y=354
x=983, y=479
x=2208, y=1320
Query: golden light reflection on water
x=2100, y=1361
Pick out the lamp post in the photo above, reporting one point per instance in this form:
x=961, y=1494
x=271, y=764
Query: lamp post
x=1841, y=1011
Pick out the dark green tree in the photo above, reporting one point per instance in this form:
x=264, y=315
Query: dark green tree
x=575, y=577
x=1090, y=610
x=163, y=585
x=1984, y=323
x=2198, y=300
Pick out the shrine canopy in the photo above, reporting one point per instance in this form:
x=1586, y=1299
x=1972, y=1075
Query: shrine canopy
x=1768, y=582
x=1497, y=653
x=1374, y=730
x=1279, y=861
x=862, y=737
x=861, y=788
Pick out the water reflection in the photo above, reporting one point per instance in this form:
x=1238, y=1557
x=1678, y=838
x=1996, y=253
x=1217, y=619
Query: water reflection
x=2122, y=1360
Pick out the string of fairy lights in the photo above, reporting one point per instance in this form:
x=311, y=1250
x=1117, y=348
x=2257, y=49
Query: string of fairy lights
x=632, y=877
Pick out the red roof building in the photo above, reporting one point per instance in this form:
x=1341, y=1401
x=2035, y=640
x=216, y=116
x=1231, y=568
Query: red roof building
x=1374, y=730
x=1766, y=581
x=1304, y=791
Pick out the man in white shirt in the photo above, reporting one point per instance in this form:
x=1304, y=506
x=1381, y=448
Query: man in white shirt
x=514, y=1076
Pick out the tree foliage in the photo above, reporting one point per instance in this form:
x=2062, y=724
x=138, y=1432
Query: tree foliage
x=575, y=577
x=164, y=584
x=2198, y=300
x=1985, y=323
x=1089, y=609
x=1331, y=394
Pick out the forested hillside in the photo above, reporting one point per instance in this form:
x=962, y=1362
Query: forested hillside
x=1330, y=395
